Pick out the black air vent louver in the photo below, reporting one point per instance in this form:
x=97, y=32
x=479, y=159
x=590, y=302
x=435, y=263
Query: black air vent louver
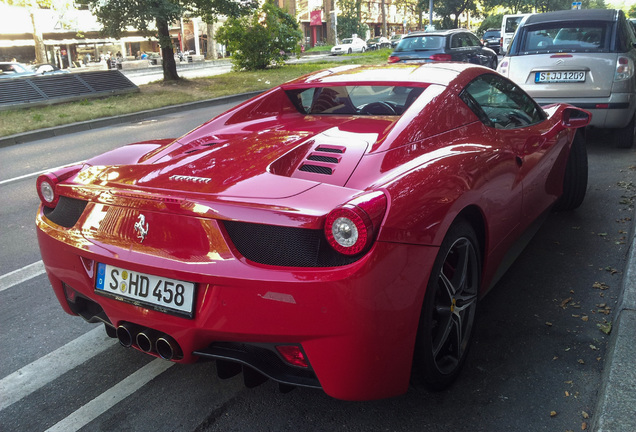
x=317, y=169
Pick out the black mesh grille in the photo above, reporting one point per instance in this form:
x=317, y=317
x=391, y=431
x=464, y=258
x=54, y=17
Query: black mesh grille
x=320, y=158
x=67, y=211
x=284, y=246
x=316, y=169
x=329, y=150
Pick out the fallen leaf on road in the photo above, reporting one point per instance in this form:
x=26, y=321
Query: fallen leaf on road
x=600, y=285
x=553, y=413
x=605, y=327
x=585, y=415
x=585, y=318
x=581, y=361
x=548, y=323
x=593, y=347
x=583, y=426
x=565, y=302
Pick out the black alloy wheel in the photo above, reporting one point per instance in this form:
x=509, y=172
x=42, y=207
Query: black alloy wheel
x=449, y=310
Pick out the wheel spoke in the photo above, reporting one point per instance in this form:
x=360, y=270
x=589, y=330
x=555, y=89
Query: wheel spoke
x=442, y=335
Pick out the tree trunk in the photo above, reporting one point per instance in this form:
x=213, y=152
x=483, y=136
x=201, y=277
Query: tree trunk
x=167, y=52
x=211, y=42
x=40, y=50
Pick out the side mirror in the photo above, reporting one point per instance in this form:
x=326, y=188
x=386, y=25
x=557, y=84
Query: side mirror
x=575, y=117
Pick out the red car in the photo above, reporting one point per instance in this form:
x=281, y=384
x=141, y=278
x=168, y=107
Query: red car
x=334, y=232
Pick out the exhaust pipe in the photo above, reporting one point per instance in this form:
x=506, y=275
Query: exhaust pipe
x=168, y=348
x=125, y=335
x=144, y=341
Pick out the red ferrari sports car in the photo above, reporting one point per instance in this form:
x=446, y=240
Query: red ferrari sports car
x=335, y=232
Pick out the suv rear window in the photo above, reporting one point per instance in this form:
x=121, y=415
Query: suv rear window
x=492, y=34
x=566, y=37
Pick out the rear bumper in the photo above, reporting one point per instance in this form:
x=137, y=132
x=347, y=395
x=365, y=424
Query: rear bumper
x=356, y=323
x=613, y=112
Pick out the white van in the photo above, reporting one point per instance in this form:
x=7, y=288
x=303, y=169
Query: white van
x=509, y=25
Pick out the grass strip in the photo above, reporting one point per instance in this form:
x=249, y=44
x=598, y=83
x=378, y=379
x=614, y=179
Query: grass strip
x=160, y=94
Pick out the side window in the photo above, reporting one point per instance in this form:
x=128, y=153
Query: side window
x=455, y=41
x=473, y=41
x=500, y=103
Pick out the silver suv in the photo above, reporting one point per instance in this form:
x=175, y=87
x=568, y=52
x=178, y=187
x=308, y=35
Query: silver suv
x=582, y=57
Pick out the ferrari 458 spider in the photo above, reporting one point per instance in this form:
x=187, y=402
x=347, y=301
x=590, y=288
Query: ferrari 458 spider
x=335, y=232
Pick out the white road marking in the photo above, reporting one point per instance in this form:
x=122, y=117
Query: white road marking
x=21, y=275
x=111, y=397
x=42, y=371
x=37, y=173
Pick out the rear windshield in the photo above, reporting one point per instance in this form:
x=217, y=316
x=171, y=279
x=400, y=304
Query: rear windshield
x=512, y=23
x=491, y=34
x=565, y=37
x=421, y=43
x=354, y=100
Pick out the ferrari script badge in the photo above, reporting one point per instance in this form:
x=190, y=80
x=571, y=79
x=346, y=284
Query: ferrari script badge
x=141, y=228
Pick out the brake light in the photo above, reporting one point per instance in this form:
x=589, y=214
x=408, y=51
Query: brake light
x=351, y=228
x=624, y=69
x=46, y=184
x=393, y=59
x=441, y=57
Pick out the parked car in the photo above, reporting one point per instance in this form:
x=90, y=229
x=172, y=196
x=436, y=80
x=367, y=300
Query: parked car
x=509, y=24
x=582, y=57
x=492, y=39
x=378, y=43
x=14, y=70
x=349, y=45
x=335, y=232
x=47, y=69
x=443, y=45
x=395, y=39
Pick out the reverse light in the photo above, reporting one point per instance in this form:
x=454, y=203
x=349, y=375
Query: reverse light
x=351, y=228
x=293, y=355
x=46, y=184
x=441, y=57
x=624, y=69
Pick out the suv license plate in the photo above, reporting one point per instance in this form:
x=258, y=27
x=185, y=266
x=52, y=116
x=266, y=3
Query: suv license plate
x=161, y=294
x=559, y=77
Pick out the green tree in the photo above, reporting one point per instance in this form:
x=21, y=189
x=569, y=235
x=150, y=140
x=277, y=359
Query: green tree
x=450, y=10
x=154, y=17
x=350, y=19
x=259, y=40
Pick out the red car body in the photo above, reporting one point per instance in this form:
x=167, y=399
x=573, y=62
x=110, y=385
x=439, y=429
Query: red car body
x=230, y=209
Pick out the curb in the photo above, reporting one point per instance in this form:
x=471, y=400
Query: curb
x=124, y=118
x=617, y=397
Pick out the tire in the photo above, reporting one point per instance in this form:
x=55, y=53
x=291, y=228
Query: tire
x=449, y=310
x=363, y=49
x=575, y=178
x=349, y=52
x=624, y=137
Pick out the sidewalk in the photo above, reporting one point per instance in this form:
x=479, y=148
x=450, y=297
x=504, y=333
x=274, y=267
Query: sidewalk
x=616, y=405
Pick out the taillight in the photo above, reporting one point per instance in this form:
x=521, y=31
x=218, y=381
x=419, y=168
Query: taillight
x=624, y=69
x=46, y=184
x=441, y=57
x=393, y=59
x=503, y=67
x=351, y=228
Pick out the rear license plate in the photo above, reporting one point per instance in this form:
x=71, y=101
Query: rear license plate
x=559, y=77
x=162, y=294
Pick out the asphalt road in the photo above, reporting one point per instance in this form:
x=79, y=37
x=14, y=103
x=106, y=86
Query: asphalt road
x=538, y=347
